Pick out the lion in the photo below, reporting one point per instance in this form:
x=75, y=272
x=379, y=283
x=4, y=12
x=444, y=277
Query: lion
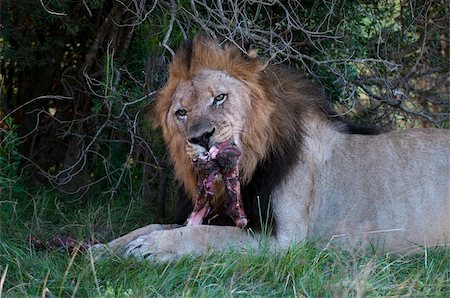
x=303, y=172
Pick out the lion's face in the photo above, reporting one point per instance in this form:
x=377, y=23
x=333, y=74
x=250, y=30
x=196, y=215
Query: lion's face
x=208, y=109
x=213, y=94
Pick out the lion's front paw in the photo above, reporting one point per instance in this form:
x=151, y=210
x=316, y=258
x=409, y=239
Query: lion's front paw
x=151, y=247
x=168, y=245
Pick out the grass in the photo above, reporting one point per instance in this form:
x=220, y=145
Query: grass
x=301, y=271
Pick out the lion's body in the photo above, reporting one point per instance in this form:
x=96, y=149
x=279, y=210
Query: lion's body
x=391, y=190
x=321, y=181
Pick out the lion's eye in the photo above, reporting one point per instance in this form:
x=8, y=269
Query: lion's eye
x=181, y=113
x=219, y=99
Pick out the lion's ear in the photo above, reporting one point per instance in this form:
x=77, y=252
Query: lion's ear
x=252, y=54
x=249, y=50
x=247, y=47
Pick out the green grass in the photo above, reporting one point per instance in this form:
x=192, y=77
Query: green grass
x=301, y=271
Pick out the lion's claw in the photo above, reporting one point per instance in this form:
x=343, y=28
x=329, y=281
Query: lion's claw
x=148, y=247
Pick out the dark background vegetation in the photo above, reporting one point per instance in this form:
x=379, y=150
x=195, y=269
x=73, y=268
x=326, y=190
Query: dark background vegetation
x=76, y=77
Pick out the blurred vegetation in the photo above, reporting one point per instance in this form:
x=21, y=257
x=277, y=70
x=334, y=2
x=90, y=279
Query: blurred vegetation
x=76, y=78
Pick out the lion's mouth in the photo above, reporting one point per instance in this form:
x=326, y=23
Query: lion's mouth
x=221, y=159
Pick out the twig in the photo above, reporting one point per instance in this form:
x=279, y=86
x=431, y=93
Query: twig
x=52, y=12
x=170, y=27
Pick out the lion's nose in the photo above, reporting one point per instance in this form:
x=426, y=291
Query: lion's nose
x=202, y=138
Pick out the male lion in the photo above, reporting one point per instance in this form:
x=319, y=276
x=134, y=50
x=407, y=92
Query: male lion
x=320, y=178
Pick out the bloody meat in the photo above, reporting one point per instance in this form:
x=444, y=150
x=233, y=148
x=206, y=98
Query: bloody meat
x=221, y=159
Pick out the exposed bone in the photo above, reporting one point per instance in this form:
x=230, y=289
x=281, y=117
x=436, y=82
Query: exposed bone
x=221, y=159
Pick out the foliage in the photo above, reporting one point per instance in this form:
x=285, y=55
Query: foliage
x=9, y=159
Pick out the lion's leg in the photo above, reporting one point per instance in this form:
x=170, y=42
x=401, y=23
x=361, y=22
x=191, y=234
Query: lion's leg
x=118, y=245
x=167, y=245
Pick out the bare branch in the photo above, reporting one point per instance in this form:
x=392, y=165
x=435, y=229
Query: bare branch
x=52, y=12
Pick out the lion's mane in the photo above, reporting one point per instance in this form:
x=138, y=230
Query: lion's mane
x=281, y=100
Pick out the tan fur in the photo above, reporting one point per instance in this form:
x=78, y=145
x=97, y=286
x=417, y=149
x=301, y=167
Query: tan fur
x=265, y=119
x=391, y=189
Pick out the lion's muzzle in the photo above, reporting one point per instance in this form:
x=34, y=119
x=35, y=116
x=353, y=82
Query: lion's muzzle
x=200, y=134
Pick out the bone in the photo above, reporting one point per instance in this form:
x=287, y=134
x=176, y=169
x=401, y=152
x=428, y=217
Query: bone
x=227, y=161
x=220, y=159
x=207, y=172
